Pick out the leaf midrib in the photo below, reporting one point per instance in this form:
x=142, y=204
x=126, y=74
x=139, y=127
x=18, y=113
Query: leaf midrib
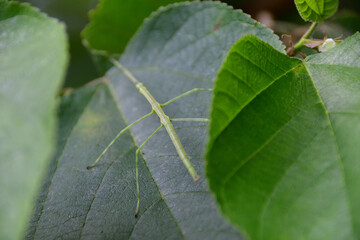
x=235, y=169
x=161, y=198
x=272, y=194
x=292, y=69
x=321, y=101
x=339, y=158
x=152, y=177
x=98, y=187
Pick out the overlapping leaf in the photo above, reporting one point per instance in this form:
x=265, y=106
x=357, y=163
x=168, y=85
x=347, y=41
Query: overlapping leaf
x=283, y=157
x=32, y=65
x=114, y=22
x=179, y=48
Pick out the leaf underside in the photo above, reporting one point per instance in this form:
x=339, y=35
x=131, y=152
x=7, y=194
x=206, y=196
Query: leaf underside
x=283, y=158
x=32, y=65
x=316, y=10
x=170, y=57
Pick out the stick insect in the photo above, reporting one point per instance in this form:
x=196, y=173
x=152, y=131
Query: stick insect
x=165, y=122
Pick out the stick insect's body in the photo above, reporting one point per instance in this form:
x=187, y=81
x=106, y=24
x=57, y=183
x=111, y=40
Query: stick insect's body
x=165, y=122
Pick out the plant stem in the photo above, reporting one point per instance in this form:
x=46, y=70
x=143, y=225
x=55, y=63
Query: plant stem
x=164, y=119
x=303, y=39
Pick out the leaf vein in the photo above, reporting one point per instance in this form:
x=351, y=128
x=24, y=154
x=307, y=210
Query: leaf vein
x=58, y=159
x=238, y=167
x=250, y=100
x=339, y=158
x=143, y=158
x=241, y=80
x=98, y=187
x=272, y=194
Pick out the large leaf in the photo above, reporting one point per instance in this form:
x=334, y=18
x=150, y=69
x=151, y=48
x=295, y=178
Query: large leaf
x=283, y=157
x=74, y=14
x=316, y=10
x=179, y=48
x=114, y=22
x=32, y=65
x=100, y=204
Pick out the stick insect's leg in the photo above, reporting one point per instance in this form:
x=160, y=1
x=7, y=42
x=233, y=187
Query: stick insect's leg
x=184, y=94
x=190, y=119
x=137, y=168
x=117, y=136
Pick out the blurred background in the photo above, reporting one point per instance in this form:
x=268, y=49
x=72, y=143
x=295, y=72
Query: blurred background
x=280, y=15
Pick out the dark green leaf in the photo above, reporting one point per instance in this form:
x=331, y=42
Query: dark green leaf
x=32, y=66
x=316, y=10
x=170, y=56
x=114, y=22
x=283, y=156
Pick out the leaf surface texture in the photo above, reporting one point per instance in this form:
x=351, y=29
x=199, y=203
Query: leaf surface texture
x=283, y=155
x=33, y=52
x=179, y=48
x=316, y=10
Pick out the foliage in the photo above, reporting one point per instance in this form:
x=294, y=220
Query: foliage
x=281, y=151
x=316, y=10
x=73, y=14
x=27, y=102
x=114, y=22
x=92, y=116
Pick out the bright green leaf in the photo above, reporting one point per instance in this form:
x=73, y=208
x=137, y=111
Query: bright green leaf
x=170, y=57
x=32, y=65
x=283, y=157
x=114, y=22
x=316, y=10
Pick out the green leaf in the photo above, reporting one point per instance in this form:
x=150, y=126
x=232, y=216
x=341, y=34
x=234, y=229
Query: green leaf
x=74, y=14
x=283, y=155
x=170, y=57
x=316, y=10
x=100, y=203
x=114, y=22
x=32, y=65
